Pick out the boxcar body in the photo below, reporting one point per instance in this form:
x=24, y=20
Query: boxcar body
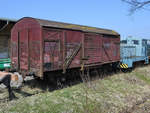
x=40, y=46
x=133, y=50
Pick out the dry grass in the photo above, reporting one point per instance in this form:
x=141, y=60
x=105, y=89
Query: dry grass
x=120, y=93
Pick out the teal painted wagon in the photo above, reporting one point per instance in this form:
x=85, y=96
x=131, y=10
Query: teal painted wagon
x=133, y=50
x=5, y=63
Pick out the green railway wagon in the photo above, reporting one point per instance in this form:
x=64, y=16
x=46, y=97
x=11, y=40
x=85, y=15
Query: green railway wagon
x=5, y=63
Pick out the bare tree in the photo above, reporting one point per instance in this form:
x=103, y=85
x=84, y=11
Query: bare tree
x=138, y=4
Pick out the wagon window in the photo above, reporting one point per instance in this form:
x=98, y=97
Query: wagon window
x=4, y=48
x=148, y=42
x=136, y=42
x=4, y=55
x=124, y=42
x=106, y=45
x=144, y=42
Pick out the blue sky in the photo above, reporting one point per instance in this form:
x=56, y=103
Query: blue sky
x=111, y=14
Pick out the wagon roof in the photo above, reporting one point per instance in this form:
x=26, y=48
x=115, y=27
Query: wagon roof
x=48, y=23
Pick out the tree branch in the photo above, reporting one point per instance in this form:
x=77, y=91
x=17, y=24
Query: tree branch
x=137, y=4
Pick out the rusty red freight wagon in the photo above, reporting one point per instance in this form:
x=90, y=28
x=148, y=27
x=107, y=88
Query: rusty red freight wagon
x=39, y=46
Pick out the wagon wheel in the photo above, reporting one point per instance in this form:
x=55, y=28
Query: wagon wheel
x=126, y=70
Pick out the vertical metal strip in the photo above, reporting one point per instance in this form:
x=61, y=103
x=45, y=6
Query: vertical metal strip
x=64, y=50
x=42, y=54
x=83, y=49
x=82, y=52
x=18, y=38
x=102, y=48
x=28, y=32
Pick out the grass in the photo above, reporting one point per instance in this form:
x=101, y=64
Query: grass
x=143, y=77
x=113, y=94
